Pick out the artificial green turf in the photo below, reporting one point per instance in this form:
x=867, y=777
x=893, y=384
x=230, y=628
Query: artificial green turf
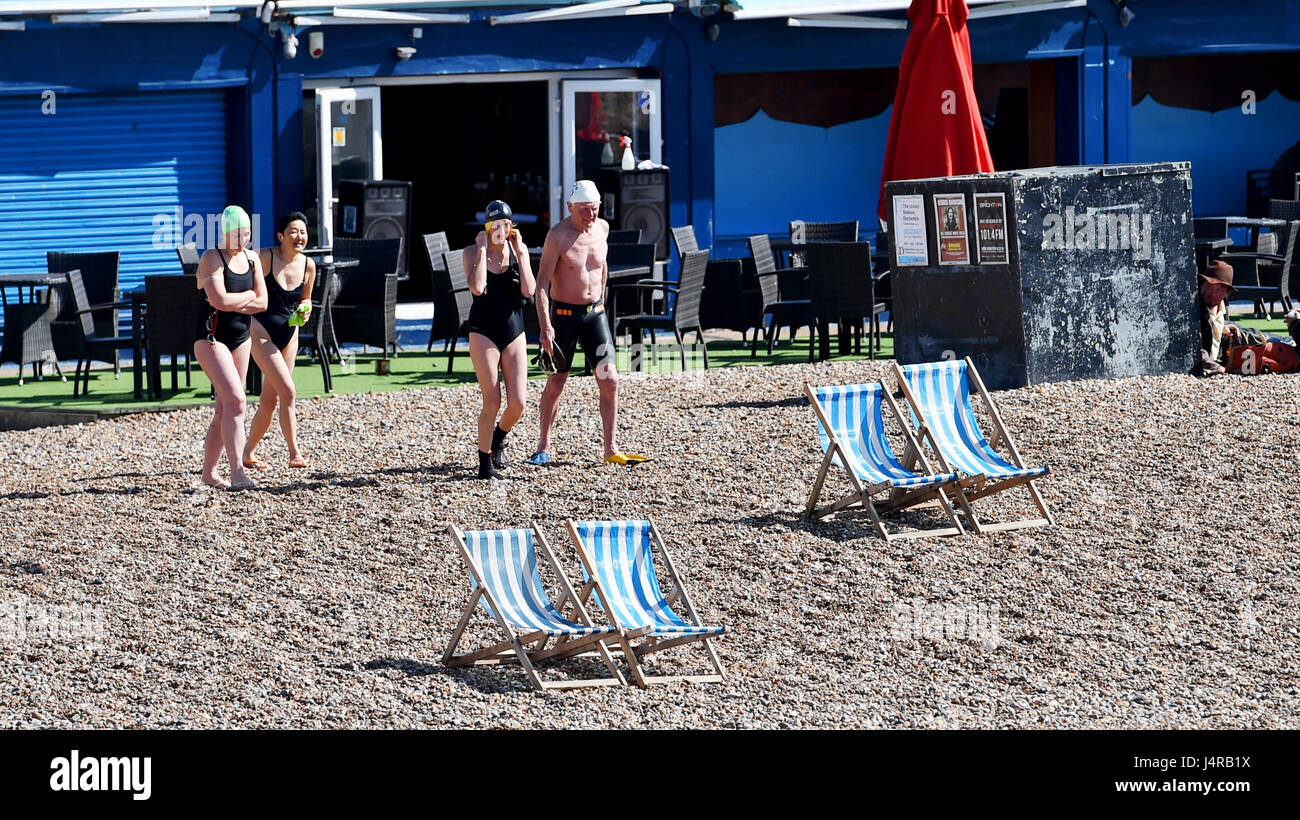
x=407, y=370
x=1276, y=327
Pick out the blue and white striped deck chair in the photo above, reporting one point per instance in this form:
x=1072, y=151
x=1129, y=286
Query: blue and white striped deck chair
x=851, y=429
x=503, y=572
x=618, y=565
x=940, y=396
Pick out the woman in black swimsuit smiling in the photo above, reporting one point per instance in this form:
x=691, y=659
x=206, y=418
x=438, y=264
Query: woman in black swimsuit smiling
x=231, y=280
x=289, y=279
x=501, y=279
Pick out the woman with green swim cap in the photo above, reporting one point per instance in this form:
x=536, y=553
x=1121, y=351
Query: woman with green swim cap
x=222, y=341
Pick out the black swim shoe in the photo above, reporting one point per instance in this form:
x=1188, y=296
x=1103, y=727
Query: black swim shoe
x=485, y=468
x=548, y=363
x=499, y=448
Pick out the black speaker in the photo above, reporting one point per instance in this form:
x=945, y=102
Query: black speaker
x=375, y=209
x=637, y=199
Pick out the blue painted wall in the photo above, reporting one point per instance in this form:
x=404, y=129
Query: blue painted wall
x=1222, y=146
x=265, y=140
x=771, y=172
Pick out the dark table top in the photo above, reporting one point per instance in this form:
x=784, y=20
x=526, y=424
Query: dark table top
x=790, y=245
x=629, y=270
x=1254, y=222
x=32, y=279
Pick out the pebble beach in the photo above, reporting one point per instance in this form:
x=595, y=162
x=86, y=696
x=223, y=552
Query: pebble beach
x=1163, y=597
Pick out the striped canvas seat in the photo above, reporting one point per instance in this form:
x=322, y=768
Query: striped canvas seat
x=942, y=394
x=507, y=562
x=504, y=581
x=855, y=414
x=621, y=554
x=618, y=566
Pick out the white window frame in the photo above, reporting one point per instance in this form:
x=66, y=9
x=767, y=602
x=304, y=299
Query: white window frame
x=325, y=199
x=568, y=132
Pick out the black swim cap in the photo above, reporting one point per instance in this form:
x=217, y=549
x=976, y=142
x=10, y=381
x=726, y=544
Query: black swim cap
x=497, y=209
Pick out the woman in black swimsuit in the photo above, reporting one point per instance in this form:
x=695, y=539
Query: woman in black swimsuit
x=289, y=279
x=231, y=280
x=501, y=279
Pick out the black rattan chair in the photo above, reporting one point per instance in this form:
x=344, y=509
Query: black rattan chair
x=800, y=231
x=99, y=278
x=317, y=334
x=1289, y=284
x=189, y=257
x=93, y=346
x=171, y=302
x=435, y=245
x=625, y=236
x=1263, y=275
x=791, y=313
x=374, y=256
x=683, y=315
x=731, y=299
x=365, y=308
x=27, y=338
x=451, y=303
x=636, y=263
x=841, y=286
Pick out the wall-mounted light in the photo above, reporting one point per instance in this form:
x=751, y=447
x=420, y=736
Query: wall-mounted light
x=288, y=43
x=1123, y=12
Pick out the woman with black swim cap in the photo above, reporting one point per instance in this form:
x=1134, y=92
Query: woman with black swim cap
x=290, y=275
x=501, y=279
x=222, y=342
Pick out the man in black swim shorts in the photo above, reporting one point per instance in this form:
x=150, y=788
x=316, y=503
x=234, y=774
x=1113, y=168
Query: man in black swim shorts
x=570, y=288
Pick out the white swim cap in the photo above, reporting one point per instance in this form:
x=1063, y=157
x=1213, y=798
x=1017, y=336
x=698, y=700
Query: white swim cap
x=584, y=190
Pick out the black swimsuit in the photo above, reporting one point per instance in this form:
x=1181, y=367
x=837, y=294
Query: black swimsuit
x=498, y=312
x=280, y=307
x=581, y=323
x=227, y=327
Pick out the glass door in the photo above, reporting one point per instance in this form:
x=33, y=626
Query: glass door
x=595, y=115
x=349, y=146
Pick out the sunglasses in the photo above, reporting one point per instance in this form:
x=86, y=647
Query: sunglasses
x=488, y=225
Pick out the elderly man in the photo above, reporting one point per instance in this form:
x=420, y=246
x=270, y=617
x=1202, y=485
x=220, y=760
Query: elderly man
x=1216, y=288
x=570, y=309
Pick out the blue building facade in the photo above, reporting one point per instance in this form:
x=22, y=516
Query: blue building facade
x=123, y=135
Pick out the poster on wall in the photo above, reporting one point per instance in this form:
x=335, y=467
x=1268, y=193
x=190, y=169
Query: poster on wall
x=950, y=222
x=991, y=228
x=909, y=231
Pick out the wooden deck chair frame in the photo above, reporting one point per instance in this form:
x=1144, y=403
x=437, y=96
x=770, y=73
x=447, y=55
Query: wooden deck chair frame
x=650, y=644
x=899, y=498
x=515, y=648
x=987, y=486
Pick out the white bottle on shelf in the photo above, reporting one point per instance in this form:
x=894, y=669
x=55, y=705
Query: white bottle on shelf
x=629, y=159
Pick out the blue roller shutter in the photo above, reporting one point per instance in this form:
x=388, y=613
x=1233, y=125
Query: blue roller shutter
x=100, y=172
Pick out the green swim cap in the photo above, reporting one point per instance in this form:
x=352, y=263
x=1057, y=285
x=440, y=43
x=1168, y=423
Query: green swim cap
x=233, y=218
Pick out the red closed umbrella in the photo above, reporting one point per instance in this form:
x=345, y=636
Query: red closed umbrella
x=935, y=129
